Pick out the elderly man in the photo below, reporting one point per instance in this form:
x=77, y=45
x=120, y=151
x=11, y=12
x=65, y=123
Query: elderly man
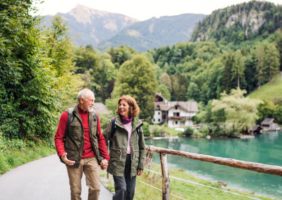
x=81, y=145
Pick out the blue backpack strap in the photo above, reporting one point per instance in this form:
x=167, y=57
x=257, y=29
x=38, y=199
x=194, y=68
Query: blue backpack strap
x=114, y=128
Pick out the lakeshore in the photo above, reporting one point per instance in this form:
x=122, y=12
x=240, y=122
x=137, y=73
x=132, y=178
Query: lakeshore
x=263, y=148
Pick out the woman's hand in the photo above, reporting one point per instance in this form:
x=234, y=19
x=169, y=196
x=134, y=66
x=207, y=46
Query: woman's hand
x=140, y=172
x=104, y=164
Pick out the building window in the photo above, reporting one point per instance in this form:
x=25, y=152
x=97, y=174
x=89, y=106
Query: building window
x=176, y=107
x=154, y=119
x=176, y=114
x=159, y=113
x=159, y=120
x=176, y=122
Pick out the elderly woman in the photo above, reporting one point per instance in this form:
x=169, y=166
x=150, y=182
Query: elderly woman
x=127, y=148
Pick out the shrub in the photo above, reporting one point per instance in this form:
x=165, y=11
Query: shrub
x=156, y=131
x=188, y=131
x=204, y=130
x=146, y=130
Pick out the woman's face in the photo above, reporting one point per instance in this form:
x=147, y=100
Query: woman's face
x=123, y=108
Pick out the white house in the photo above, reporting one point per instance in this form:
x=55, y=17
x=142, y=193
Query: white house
x=175, y=113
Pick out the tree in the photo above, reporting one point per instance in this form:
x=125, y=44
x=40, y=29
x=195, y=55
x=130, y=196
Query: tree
x=164, y=91
x=238, y=67
x=260, y=64
x=193, y=92
x=165, y=80
x=137, y=78
x=238, y=109
x=28, y=96
x=272, y=62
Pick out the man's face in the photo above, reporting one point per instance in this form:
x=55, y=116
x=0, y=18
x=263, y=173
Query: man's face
x=88, y=103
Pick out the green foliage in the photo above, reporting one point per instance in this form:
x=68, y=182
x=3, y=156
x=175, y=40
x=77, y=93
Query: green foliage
x=272, y=62
x=238, y=109
x=204, y=130
x=28, y=98
x=137, y=79
x=146, y=131
x=104, y=119
x=156, y=131
x=112, y=104
x=165, y=80
x=188, y=131
x=164, y=91
x=234, y=24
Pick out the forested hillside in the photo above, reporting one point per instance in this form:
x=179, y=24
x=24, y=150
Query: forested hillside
x=238, y=23
x=155, y=32
x=92, y=26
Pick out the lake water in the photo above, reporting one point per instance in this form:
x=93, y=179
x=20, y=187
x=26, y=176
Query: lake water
x=265, y=148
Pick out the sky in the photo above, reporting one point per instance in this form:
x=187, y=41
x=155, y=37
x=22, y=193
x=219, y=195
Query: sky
x=141, y=9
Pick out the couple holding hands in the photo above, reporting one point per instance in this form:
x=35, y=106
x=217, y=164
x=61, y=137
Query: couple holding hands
x=82, y=146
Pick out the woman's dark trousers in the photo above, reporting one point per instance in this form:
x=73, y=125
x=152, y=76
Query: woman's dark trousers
x=125, y=186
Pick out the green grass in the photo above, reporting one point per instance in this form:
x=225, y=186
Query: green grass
x=183, y=189
x=172, y=131
x=268, y=92
x=12, y=158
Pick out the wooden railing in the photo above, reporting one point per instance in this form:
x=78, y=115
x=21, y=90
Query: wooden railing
x=257, y=167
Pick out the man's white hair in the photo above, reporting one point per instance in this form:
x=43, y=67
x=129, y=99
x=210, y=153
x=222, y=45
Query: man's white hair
x=84, y=94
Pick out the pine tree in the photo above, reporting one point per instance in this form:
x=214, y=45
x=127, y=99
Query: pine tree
x=165, y=80
x=238, y=67
x=260, y=64
x=272, y=61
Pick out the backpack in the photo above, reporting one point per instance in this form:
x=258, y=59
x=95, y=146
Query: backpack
x=114, y=128
x=70, y=120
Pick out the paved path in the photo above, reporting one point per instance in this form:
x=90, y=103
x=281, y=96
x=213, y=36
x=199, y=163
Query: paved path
x=43, y=179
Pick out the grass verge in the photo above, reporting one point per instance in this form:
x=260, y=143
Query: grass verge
x=12, y=158
x=268, y=92
x=181, y=189
x=172, y=131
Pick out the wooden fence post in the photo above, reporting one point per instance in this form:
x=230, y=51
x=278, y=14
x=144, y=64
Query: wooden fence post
x=165, y=178
x=108, y=176
x=148, y=160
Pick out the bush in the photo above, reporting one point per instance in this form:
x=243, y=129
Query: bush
x=204, y=130
x=146, y=130
x=156, y=131
x=104, y=120
x=188, y=131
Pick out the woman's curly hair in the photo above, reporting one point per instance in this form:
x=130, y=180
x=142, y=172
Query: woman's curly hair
x=133, y=106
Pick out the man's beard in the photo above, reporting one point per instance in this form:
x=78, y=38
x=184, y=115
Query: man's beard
x=90, y=109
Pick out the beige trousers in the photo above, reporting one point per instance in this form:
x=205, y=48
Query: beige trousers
x=91, y=171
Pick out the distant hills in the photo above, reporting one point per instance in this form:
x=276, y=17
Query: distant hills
x=155, y=32
x=238, y=23
x=93, y=26
x=102, y=29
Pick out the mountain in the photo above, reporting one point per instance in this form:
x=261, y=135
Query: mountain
x=238, y=23
x=93, y=26
x=155, y=32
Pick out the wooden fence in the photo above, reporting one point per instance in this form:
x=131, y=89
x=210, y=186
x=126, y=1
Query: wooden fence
x=267, y=169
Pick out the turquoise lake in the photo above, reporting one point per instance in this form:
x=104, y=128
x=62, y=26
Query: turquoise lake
x=265, y=148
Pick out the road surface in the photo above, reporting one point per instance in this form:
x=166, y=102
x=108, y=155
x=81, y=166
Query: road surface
x=43, y=179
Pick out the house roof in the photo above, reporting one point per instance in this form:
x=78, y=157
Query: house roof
x=187, y=106
x=255, y=127
x=160, y=95
x=101, y=108
x=268, y=121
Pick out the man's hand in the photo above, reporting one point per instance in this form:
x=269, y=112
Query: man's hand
x=140, y=172
x=104, y=164
x=66, y=160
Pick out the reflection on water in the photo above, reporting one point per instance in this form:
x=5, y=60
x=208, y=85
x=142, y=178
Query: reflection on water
x=265, y=148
